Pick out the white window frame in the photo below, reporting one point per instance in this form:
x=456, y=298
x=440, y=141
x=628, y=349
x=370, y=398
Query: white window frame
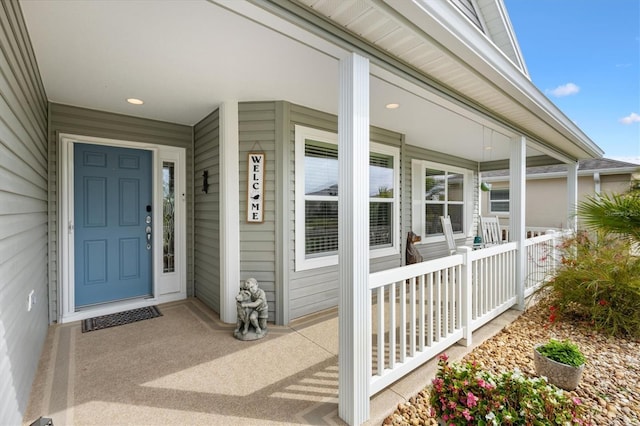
x=508, y=201
x=418, y=172
x=302, y=133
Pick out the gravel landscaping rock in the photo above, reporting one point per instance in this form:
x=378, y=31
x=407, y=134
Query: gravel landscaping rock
x=610, y=385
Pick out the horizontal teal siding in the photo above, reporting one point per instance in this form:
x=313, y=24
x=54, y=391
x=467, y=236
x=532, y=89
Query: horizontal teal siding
x=207, y=211
x=258, y=240
x=23, y=214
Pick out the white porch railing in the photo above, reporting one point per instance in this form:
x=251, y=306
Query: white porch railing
x=417, y=313
x=493, y=282
x=529, y=231
x=420, y=310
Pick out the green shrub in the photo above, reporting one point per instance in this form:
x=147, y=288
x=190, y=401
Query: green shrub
x=599, y=282
x=613, y=213
x=463, y=394
x=563, y=352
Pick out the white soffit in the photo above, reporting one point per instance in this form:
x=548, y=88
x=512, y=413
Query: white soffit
x=185, y=58
x=398, y=28
x=430, y=121
x=182, y=58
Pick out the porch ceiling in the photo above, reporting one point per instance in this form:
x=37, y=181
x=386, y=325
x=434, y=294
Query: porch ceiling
x=185, y=58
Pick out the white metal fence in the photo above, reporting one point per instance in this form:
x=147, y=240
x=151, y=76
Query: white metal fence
x=420, y=310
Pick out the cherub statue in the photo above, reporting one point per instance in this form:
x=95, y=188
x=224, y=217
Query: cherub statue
x=253, y=311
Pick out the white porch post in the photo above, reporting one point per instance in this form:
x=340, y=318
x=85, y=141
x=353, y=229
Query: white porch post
x=572, y=196
x=517, y=205
x=354, y=303
x=229, y=211
x=467, y=295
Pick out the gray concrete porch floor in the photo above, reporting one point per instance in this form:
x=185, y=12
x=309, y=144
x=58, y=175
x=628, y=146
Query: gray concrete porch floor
x=186, y=368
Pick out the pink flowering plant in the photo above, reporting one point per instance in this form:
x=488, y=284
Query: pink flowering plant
x=463, y=394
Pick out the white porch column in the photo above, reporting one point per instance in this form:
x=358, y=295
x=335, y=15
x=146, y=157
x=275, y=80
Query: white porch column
x=229, y=211
x=572, y=196
x=517, y=206
x=467, y=296
x=354, y=303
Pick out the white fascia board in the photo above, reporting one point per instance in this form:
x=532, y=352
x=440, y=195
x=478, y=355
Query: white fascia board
x=444, y=24
x=555, y=175
x=552, y=175
x=619, y=171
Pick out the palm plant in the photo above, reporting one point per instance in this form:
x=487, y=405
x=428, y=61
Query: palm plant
x=613, y=214
x=599, y=279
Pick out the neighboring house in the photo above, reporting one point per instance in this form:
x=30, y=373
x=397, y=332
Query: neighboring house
x=97, y=193
x=547, y=190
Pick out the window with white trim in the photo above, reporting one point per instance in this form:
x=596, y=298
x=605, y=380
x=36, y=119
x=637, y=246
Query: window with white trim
x=499, y=200
x=316, y=202
x=440, y=190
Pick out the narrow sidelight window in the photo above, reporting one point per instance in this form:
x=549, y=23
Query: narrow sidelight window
x=168, y=216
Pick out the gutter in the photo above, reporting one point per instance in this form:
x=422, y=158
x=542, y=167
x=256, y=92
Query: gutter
x=554, y=175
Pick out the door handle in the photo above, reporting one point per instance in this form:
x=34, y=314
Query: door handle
x=148, y=229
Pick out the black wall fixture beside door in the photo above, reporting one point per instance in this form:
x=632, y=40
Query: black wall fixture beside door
x=205, y=181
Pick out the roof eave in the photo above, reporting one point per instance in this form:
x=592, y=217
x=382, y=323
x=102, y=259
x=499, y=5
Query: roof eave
x=443, y=22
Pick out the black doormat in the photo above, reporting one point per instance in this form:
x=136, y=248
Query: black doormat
x=120, y=318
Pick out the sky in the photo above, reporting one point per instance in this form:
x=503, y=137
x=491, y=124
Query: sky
x=584, y=55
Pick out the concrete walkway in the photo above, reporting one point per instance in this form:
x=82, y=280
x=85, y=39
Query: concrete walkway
x=186, y=368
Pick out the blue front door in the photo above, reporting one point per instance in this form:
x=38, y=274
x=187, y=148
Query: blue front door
x=112, y=215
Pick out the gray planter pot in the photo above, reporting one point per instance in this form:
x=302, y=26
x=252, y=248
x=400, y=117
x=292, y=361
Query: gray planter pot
x=564, y=376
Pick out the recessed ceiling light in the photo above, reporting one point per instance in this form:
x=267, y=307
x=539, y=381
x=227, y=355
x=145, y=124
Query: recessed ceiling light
x=135, y=101
x=488, y=148
x=392, y=106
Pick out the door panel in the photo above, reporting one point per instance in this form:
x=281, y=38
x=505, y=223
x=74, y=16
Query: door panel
x=112, y=199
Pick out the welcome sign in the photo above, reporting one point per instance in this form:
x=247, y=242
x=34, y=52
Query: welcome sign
x=255, y=187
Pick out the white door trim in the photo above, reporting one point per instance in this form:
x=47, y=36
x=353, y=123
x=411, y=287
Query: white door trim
x=165, y=287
